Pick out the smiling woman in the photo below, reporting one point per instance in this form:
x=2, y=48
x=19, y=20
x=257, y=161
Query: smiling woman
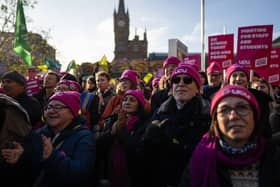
x=233, y=152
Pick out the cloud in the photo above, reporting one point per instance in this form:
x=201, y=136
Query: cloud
x=158, y=40
x=192, y=40
x=276, y=35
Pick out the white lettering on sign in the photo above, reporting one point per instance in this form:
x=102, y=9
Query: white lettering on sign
x=244, y=62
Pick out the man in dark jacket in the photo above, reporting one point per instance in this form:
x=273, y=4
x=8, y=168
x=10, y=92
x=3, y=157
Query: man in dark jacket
x=14, y=86
x=181, y=121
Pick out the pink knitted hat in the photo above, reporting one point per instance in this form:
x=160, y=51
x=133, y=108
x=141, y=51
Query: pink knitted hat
x=155, y=81
x=187, y=70
x=130, y=75
x=236, y=91
x=138, y=94
x=214, y=68
x=73, y=85
x=70, y=98
x=236, y=67
x=171, y=60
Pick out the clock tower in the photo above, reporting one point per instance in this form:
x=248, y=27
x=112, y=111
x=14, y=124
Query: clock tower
x=121, y=30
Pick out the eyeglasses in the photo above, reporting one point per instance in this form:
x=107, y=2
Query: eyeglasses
x=241, y=110
x=186, y=79
x=55, y=107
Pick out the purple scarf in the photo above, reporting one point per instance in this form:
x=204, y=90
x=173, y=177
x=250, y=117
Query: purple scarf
x=131, y=122
x=206, y=155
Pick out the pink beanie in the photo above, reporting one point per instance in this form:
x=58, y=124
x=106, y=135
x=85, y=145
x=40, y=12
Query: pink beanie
x=236, y=91
x=73, y=85
x=70, y=98
x=214, y=68
x=188, y=70
x=130, y=75
x=236, y=67
x=155, y=81
x=138, y=94
x=171, y=60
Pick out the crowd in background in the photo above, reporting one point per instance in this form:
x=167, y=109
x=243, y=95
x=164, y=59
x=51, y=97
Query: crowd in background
x=185, y=128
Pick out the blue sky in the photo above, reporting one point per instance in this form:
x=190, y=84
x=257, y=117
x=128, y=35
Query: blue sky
x=83, y=30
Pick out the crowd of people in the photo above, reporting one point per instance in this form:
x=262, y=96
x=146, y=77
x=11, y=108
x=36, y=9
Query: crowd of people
x=185, y=128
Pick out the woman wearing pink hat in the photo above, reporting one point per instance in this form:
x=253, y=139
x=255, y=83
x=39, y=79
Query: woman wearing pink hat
x=124, y=138
x=234, y=152
x=62, y=153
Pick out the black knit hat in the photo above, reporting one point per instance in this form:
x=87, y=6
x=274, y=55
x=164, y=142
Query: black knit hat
x=15, y=76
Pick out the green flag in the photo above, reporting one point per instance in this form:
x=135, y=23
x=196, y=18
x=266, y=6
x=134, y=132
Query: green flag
x=21, y=46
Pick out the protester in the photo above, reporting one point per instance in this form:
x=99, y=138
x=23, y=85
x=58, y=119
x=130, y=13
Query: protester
x=15, y=127
x=168, y=66
x=63, y=151
x=233, y=152
x=238, y=75
x=124, y=138
x=14, y=85
x=50, y=80
x=155, y=85
x=178, y=125
x=214, y=77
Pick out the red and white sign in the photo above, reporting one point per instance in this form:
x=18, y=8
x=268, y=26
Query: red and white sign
x=254, y=45
x=32, y=87
x=193, y=59
x=221, y=49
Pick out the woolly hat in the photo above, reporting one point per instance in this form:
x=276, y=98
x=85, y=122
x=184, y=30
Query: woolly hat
x=138, y=94
x=130, y=75
x=235, y=91
x=73, y=86
x=214, y=68
x=171, y=60
x=155, y=81
x=187, y=70
x=70, y=98
x=15, y=76
x=236, y=67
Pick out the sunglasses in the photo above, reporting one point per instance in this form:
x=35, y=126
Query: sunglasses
x=186, y=80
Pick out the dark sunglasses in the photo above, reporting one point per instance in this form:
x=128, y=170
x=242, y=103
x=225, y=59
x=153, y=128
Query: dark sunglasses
x=186, y=80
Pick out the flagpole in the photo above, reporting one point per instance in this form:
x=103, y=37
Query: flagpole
x=202, y=35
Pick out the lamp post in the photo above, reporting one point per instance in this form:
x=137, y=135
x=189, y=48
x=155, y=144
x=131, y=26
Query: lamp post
x=202, y=36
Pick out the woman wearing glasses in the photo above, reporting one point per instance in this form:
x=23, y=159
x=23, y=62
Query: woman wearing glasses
x=233, y=152
x=178, y=125
x=62, y=152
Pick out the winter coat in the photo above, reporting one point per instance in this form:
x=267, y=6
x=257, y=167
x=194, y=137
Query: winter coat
x=72, y=160
x=171, y=139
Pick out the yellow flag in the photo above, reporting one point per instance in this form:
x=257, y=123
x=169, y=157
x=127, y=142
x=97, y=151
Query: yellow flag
x=43, y=68
x=104, y=64
x=148, y=77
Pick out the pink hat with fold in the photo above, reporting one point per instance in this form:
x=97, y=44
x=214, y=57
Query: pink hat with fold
x=73, y=85
x=214, y=68
x=187, y=70
x=138, y=94
x=70, y=98
x=236, y=91
x=155, y=81
x=236, y=67
x=171, y=60
x=130, y=75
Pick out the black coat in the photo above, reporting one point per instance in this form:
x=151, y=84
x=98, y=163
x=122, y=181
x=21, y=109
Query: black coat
x=170, y=146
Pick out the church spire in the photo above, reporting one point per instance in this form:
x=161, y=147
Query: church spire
x=121, y=7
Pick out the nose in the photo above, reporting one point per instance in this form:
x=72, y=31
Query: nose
x=233, y=114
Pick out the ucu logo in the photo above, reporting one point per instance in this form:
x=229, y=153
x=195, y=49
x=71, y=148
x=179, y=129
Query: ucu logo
x=181, y=71
x=237, y=92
